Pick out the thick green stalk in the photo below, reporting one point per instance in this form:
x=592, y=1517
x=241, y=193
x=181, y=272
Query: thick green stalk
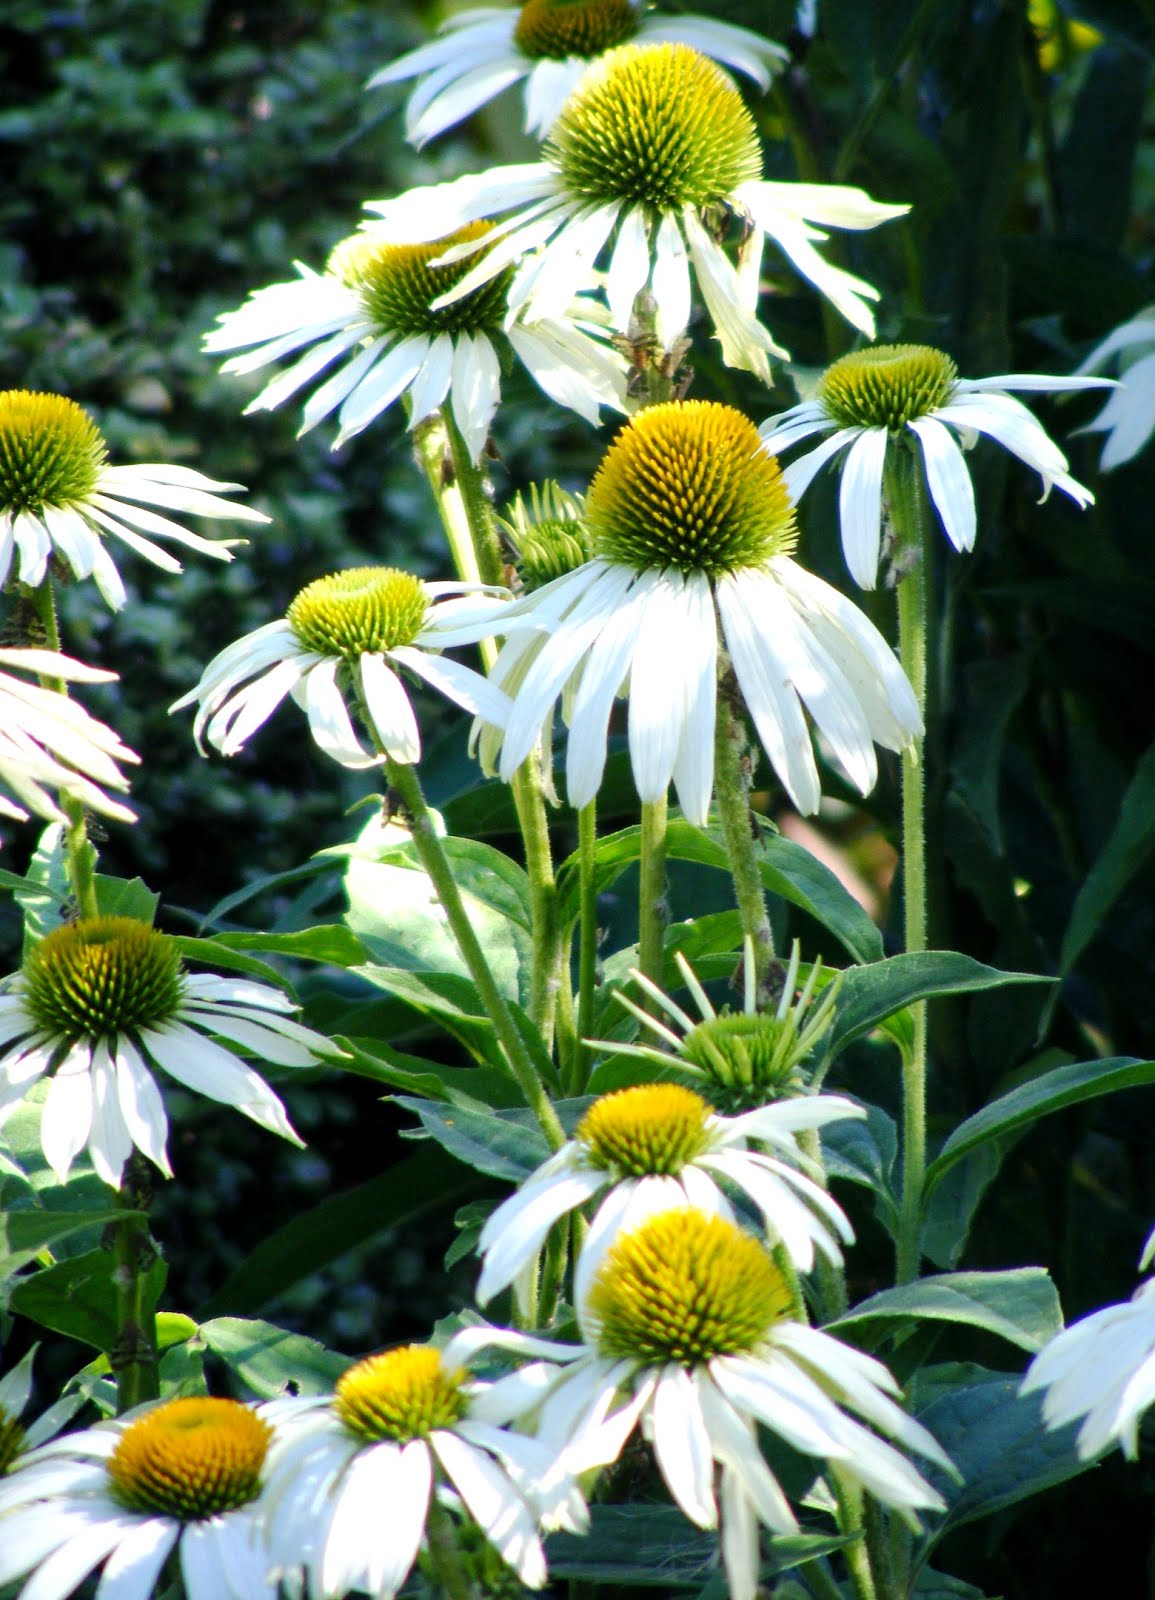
x=652, y=908
x=404, y=781
x=448, y=1569
x=732, y=798
x=587, y=942
x=133, y=1357
x=850, y=1520
x=906, y=496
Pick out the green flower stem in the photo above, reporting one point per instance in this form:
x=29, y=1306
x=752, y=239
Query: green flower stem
x=652, y=909
x=448, y=1569
x=906, y=497
x=732, y=797
x=133, y=1357
x=830, y=1280
x=850, y=1500
x=587, y=942
x=459, y=492
x=78, y=849
x=404, y=780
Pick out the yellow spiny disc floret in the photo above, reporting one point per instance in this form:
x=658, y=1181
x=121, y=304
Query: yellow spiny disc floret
x=397, y=282
x=887, y=385
x=403, y=1394
x=11, y=1439
x=656, y=124
x=191, y=1459
x=102, y=976
x=51, y=452
x=651, y=1128
x=685, y=1287
x=554, y=29
x=688, y=485
x=361, y=611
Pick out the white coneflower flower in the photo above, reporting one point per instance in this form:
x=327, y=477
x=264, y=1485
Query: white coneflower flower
x=1102, y=1368
x=59, y=497
x=16, y=1440
x=690, y=1331
x=692, y=529
x=352, y=1475
x=910, y=396
x=549, y=44
x=49, y=742
x=351, y=633
x=660, y=1145
x=177, y=1479
x=737, y=1059
x=1128, y=418
x=99, y=1002
x=369, y=314
x=654, y=138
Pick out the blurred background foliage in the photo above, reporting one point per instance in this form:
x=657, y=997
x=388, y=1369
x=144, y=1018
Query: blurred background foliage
x=157, y=162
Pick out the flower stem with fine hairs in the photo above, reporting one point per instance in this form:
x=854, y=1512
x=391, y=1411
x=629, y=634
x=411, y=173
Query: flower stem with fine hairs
x=449, y=1572
x=587, y=941
x=906, y=497
x=133, y=1357
x=652, y=910
x=731, y=795
x=404, y=781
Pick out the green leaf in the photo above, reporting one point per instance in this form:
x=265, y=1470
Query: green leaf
x=1000, y=1444
x=447, y=998
x=78, y=1297
x=864, y=1152
x=1020, y=1305
x=504, y=1144
x=314, y=1239
x=473, y=1087
x=1053, y=1091
x=330, y=943
x=214, y=953
x=270, y=1361
x=993, y=690
x=43, y=906
x=873, y=993
x=952, y=1204
x=24, y=1234
x=126, y=897
x=317, y=867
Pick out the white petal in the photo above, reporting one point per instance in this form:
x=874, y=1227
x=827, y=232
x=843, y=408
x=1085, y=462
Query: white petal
x=66, y=1118
x=475, y=389
x=948, y=480
x=329, y=721
x=682, y=1445
x=860, y=505
x=390, y=710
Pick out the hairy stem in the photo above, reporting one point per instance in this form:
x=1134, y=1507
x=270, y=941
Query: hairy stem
x=133, y=1357
x=732, y=797
x=652, y=909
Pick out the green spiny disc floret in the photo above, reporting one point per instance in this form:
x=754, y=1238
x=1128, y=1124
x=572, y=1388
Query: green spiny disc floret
x=887, y=385
x=397, y=283
x=685, y=1287
x=102, y=976
x=555, y=29
x=687, y=484
x=548, y=534
x=657, y=124
x=651, y=1128
x=743, y=1055
x=51, y=452
x=359, y=612
x=191, y=1459
x=403, y=1394
x=11, y=1439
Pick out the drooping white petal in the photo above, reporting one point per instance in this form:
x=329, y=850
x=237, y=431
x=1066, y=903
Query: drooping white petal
x=329, y=720
x=682, y=1445
x=388, y=705
x=629, y=266
x=860, y=505
x=948, y=480
x=475, y=389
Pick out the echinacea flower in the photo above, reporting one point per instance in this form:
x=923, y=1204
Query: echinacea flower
x=350, y=633
x=1128, y=418
x=352, y=1475
x=660, y=1145
x=369, y=315
x=693, y=534
x=909, y=396
x=100, y=1001
x=737, y=1059
x=16, y=1439
x=653, y=138
x=1102, y=1369
x=49, y=742
x=549, y=44
x=59, y=497
x=691, y=1332
x=180, y=1479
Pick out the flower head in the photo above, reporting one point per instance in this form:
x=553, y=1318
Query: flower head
x=1128, y=418
x=549, y=44
x=894, y=396
x=738, y=1060
x=350, y=633
x=59, y=497
x=691, y=525
x=100, y=1001
x=691, y=1331
x=183, y=1477
x=661, y=1145
x=48, y=742
x=653, y=137
x=1101, y=1369
x=376, y=313
x=400, y=1428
